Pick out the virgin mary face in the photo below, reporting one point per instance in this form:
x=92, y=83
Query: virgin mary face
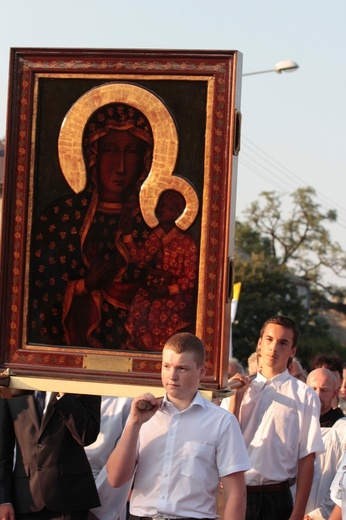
x=121, y=163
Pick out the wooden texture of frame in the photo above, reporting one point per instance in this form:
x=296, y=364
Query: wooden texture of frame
x=191, y=100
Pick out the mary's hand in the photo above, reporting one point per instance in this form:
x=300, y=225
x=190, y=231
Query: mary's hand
x=158, y=291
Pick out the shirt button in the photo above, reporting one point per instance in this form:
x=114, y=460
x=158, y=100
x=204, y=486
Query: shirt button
x=40, y=445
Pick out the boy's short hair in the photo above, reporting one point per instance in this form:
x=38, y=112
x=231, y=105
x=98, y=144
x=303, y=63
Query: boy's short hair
x=287, y=323
x=187, y=342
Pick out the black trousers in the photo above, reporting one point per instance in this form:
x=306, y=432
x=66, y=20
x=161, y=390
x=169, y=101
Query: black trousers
x=46, y=514
x=269, y=506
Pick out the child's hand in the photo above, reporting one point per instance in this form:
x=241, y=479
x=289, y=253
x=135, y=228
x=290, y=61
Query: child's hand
x=159, y=291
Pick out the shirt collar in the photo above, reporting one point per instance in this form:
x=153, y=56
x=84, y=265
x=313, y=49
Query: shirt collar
x=197, y=400
x=277, y=381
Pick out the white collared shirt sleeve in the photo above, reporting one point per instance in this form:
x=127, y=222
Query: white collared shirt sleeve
x=338, y=487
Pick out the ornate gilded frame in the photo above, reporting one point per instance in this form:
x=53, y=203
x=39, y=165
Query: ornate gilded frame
x=191, y=96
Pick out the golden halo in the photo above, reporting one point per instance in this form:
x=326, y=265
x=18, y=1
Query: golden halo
x=165, y=153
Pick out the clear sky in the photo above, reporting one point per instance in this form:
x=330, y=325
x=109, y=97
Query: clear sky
x=294, y=125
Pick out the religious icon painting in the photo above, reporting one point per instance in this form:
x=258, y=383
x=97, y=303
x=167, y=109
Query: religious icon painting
x=118, y=210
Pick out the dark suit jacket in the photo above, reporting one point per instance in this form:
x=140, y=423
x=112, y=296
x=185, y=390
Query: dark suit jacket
x=51, y=468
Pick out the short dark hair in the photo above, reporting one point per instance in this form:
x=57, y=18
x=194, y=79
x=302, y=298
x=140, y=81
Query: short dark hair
x=187, y=342
x=331, y=361
x=283, y=321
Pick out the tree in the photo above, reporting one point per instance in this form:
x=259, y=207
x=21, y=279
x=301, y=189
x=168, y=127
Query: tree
x=301, y=242
x=267, y=289
x=275, y=259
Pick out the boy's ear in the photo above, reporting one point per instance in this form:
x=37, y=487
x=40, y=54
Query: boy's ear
x=293, y=351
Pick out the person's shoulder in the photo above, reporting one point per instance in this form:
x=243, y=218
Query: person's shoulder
x=182, y=236
x=302, y=390
x=301, y=385
x=18, y=400
x=339, y=428
x=218, y=411
x=68, y=202
x=85, y=398
x=212, y=406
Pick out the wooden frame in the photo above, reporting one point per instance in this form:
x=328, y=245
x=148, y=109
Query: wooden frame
x=191, y=99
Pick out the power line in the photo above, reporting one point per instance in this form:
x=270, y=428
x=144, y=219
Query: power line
x=278, y=175
x=297, y=180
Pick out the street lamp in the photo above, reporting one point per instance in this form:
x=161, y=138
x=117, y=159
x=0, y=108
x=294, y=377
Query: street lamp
x=280, y=66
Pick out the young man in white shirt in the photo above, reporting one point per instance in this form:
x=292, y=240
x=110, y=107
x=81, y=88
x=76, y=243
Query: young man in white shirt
x=181, y=447
x=279, y=418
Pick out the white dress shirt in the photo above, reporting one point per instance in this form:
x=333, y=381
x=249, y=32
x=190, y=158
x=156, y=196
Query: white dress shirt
x=182, y=456
x=114, y=413
x=320, y=505
x=338, y=487
x=46, y=401
x=279, y=419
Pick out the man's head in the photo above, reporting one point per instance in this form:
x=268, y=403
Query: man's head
x=323, y=381
x=185, y=342
x=331, y=361
x=254, y=363
x=296, y=370
x=183, y=365
x=287, y=323
x=234, y=367
x=277, y=344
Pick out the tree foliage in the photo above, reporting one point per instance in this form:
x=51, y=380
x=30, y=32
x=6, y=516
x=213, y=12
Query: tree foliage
x=278, y=261
x=301, y=241
x=267, y=289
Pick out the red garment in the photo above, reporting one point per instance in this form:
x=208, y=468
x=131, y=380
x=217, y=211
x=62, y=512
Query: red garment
x=152, y=320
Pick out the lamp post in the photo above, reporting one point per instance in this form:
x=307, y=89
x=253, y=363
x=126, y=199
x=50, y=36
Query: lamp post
x=280, y=66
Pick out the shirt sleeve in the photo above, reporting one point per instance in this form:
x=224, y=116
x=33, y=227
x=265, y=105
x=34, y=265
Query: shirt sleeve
x=231, y=454
x=311, y=438
x=337, y=489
